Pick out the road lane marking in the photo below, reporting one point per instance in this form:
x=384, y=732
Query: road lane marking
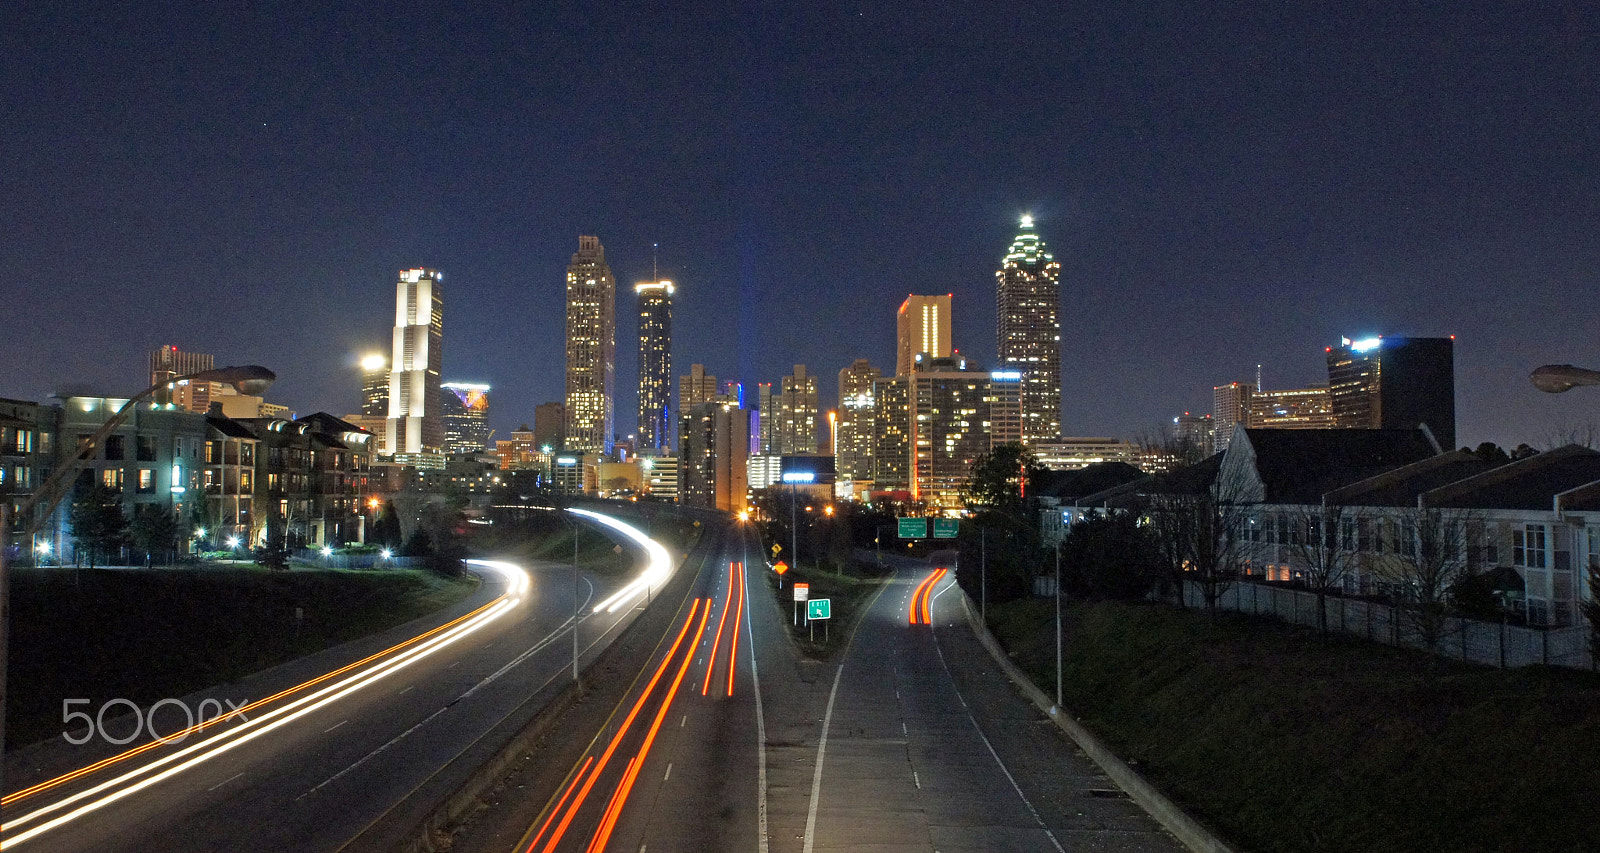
x=668, y=774
x=407, y=690
x=916, y=780
x=225, y=781
x=761, y=721
x=683, y=722
x=334, y=726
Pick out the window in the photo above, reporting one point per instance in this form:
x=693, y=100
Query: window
x=247, y=453
x=116, y=447
x=213, y=453
x=1527, y=546
x=146, y=448
x=111, y=478
x=44, y=443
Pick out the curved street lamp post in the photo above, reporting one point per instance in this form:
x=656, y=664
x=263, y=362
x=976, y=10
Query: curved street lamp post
x=248, y=379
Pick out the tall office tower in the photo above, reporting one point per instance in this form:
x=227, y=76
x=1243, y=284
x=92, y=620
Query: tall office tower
x=375, y=386
x=922, y=326
x=713, y=455
x=466, y=417
x=550, y=425
x=1196, y=431
x=891, y=433
x=168, y=363
x=655, y=366
x=1294, y=408
x=1028, y=302
x=591, y=349
x=767, y=419
x=951, y=421
x=852, y=452
x=696, y=388
x=416, y=404
x=1395, y=383
x=1230, y=406
x=1005, y=407
x=796, y=431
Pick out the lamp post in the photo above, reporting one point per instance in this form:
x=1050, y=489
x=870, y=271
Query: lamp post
x=1058, y=626
x=248, y=379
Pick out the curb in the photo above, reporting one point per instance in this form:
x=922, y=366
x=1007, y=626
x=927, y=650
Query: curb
x=1186, y=829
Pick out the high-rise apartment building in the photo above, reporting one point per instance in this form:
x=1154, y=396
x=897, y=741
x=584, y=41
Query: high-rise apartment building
x=1395, y=383
x=891, y=433
x=950, y=412
x=591, y=349
x=1230, y=406
x=766, y=419
x=466, y=417
x=416, y=405
x=853, y=447
x=922, y=325
x=796, y=430
x=713, y=452
x=1028, y=303
x=550, y=425
x=1194, y=431
x=1294, y=408
x=696, y=388
x=375, y=385
x=167, y=364
x=655, y=367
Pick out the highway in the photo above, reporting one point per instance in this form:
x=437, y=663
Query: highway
x=343, y=751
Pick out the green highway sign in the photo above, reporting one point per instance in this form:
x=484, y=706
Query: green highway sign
x=818, y=608
x=945, y=528
x=913, y=528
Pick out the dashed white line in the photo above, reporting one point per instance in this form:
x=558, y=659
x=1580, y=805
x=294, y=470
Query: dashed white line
x=916, y=780
x=684, y=721
x=407, y=690
x=334, y=726
x=225, y=781
x=668, y=774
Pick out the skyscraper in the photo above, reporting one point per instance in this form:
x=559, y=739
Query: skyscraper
x=416, y=408
x=713, y=456
x=796, y=430
x=466, y=417
x=375, y=386
x=655, y=366
x=891, y=433
x=696, y=388
x=1028, y=303
x=853, y=451
x=1395, y=383
x=550, y=425
x=952, y=419
x=1230, y=406
x=168, y=363
x=591, y=349
x=922, y=325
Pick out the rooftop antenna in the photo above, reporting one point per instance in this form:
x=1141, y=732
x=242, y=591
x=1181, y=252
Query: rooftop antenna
x=1258, y=377
x=654, y=275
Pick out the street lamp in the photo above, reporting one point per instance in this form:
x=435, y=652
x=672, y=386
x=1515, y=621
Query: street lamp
x=248, y=379
x=1556, y=378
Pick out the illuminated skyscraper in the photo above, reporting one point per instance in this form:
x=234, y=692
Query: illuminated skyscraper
x=655, y=366
x=853, y=451
x=1395, y=383
x=891, y=433
x=796, y=430
x=375, y=386
x=1028, y=303
x=466, y=417
x=1230, y=406
x=955, y=415
x=696, y=388
x=591, y=349
x=922, y=326
x=416, y=407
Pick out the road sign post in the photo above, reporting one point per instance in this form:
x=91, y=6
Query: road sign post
x=802, y=592
x=819, y=609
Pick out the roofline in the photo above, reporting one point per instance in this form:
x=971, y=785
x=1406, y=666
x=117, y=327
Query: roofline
x=1501, y=473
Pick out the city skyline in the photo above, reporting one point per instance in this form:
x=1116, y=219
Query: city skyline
x=1404, y=172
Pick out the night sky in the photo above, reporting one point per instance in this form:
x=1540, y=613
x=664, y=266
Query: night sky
x=1223, y=184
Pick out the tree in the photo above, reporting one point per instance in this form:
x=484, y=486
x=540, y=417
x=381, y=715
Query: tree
x=97, y=521
x=1430, y=554
x=386, y=529
x=1205, y=536
x=1322, y=544
x=274, y=550
x=1591, y=611
x=1000, y=480
x=1109, y=557
x=154, y=530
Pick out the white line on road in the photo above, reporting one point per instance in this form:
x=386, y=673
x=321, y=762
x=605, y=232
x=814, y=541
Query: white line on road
x=916, y=780
x=668, y=773
x=816, y=776
x=761, y=720
x=225, y=781
x=334, y=726
x=683, y=722
x=407, y=690
x=454, y=665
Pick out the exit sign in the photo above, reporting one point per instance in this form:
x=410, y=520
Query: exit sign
x=946, y=528
x=819, y=608
x=913, y=528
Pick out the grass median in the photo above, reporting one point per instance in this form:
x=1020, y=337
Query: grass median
x=847, y=590
x=1287, y=742
x=149, y=634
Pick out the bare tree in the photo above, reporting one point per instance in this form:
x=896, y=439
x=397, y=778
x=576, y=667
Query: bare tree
x=1206, y=537
x=1321, y=550
x=1430, y=553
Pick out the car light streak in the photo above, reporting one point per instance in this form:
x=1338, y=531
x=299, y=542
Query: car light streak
x=738, y=619
x=559, y=803
x=657, y=569
x=228, y=739
x=628, y=777
x=711, y=662
x=627, y=723
x=920, y=614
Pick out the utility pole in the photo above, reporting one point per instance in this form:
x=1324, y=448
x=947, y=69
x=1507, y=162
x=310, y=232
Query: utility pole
x=983, y=574
x=575, y=531
x=1058, y=625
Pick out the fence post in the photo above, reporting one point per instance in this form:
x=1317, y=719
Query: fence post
x=1502, y=640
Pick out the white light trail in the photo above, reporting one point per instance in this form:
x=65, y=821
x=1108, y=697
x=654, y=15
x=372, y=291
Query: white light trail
x=656, y=572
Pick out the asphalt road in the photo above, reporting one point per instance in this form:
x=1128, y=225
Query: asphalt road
x=355, y=774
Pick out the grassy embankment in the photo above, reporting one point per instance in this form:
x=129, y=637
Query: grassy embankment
x=1286, y=742
x=848, y=591
x=146, y=635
